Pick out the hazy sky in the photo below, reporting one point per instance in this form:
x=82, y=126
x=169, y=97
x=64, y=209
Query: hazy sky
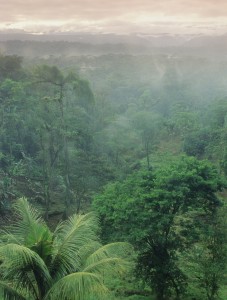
x=119, y=16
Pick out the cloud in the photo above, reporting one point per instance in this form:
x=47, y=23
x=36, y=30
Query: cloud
x=100, y=14
x=16, y=10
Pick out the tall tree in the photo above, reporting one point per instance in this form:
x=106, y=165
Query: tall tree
x=158, y=212
x=63, y=97
x=148, y=125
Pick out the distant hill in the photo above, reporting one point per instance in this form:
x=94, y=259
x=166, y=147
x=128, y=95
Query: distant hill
x=33, y=45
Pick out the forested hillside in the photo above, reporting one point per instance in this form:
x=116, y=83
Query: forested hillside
x=137, y=137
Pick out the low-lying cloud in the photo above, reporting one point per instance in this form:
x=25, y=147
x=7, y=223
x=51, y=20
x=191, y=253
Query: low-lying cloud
x=106, y=14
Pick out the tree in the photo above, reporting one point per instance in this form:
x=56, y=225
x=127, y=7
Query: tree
x=68, y=263
x=148, y=125
x=205, y=262
x=10, y=66
x=47, y=147
x=65, y=100
x=158, y=212
x=217, y=113
x=196, y=143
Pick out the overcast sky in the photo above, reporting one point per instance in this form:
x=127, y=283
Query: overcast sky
x=118, y=16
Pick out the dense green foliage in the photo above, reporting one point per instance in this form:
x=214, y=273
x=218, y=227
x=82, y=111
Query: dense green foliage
x=145, y=141
x=163, y=212
x=46, y=133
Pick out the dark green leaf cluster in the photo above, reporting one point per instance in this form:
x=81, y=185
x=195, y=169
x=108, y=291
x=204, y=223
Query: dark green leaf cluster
x=162, y=212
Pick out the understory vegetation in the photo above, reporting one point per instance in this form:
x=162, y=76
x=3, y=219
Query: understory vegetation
x=135, y=163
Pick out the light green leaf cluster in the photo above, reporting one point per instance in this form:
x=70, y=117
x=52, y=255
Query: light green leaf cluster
x=69, y=263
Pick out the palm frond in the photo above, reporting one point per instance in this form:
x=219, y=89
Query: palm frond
x=7, y=237
x=29, y=230
x=7, y=292
x=27, y=212
x=69, y=237
x=29, y=223
x=110, y=266
x=112, y=250
x=81, y=227
x=78, y=286
x=24, y=268
x=88, y=249
x=111, y=258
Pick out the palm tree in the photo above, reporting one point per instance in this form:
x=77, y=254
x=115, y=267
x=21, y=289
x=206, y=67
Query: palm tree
x=68, y=263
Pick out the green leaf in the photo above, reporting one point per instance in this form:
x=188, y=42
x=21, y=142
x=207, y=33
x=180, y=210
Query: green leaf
x=78, y=286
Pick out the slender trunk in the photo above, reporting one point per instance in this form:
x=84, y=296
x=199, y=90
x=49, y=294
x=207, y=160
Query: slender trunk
x=160, y=294
x=78, y=205
x=47, y=179
x=66, y=155
x=147, y=154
